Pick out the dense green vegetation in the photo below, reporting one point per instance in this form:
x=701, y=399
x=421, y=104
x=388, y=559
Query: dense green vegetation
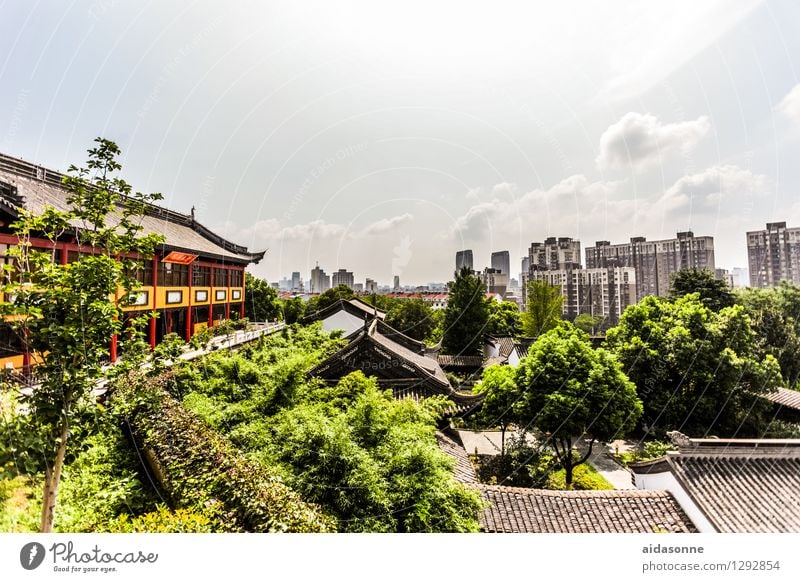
x=544, y=308
x=368, y=460
x=697, y=370
x=260, y=300
x=466, y=317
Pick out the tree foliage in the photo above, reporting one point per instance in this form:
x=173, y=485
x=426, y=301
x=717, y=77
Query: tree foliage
x=713, y=293
x=543, y=311
x=369, y=460
x=329, y=297
x=588, y=323
x=775, y=317
x=697, y=371
x=260, y=300
x=504, y=319
x=68, y=313
x=570, y=390
x=502, y=395
x=466, y=316
x=413, y=317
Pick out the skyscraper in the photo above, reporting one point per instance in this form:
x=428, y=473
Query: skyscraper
x=343, y=277
x=463, y=259
x=501, y=261
x=296, y=281
x=320, y=282
x=773, y=255
x=397, y=282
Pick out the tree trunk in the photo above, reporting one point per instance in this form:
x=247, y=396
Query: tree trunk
x=503, y=451
x=52, y=479
x=567, y=460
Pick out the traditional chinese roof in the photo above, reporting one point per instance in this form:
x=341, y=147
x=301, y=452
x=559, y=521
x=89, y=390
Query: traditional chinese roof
x=450, y=443
x=354, y=306
x=34, y=188
x=409, y=374
x=470, y=362
x=784, y=397
x=521, y=510
x=740, y=485
x=504, y=344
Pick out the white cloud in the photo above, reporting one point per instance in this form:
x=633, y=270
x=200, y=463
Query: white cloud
x=386, y=224
x=639, y=139
x=707, y=190
x=790, y=105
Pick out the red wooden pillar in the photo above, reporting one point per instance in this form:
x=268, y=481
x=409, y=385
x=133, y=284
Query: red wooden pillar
x=211, y=270
x=241, y=305
x=189, y=307
x=227, y=293
x=155, y=302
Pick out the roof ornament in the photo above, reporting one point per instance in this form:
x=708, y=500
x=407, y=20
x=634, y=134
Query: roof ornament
x=192, y=213
x=679, y=439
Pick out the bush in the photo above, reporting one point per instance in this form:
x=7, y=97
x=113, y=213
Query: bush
x=162, y=520
x=646, y=452
x=584, y=478
x=196, y=466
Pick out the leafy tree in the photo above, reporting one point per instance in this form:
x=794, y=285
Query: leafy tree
x=329, y=297
x=571, y=390
x=697, y=371
x=68, y=313
x=294, y=310
x=260, y=300
x=714, y=293
x=775, y=316
x=543, y=308
x=588, y=323
x=502, y=395
x=466, y=316
x=413, y=317
x=504, y=319
x=382, y=302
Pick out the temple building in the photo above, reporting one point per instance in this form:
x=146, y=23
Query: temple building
x=195, y=279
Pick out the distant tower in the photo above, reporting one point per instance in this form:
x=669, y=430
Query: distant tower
x=502, y=262
x=464, y=259
x=397, y=282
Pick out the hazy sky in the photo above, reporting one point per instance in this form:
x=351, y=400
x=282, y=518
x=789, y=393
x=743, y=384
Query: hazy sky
x=384, y=137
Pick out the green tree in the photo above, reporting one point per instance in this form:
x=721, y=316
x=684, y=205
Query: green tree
x=294, y=310
x=775, y=315
x=697, y=371
x=502, y=395
x=466, y=316
x=714, y=293
x=588, y=323
x=413, y=317
x=328, y=298
x=570, y=391
x=543, y=308
x=504, y=319
x=68, y=313
x=260, y=300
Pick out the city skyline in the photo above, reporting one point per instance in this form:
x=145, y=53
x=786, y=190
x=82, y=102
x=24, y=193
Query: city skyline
x=316, y=132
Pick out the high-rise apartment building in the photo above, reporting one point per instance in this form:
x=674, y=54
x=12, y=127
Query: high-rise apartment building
x=463, y=259
x=654, y=261
x=554, y=253
x=296, y=285
x=371, y=286
x=397, y=283
x=320, y=282
x=343, y=277
x=773, y=255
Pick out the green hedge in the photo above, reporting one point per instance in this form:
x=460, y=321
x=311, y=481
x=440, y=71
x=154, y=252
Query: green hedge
x=200, y=470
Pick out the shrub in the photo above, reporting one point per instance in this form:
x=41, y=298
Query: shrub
x=162, y=520
x=197, y=467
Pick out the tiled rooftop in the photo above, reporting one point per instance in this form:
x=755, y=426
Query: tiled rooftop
x=519, y=510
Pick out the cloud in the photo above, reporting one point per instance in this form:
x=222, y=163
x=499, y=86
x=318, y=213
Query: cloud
x=639, y=140
x=271, y=229
x=790, y=105
x=386, y=224
x=706, y=191
x=567, y=199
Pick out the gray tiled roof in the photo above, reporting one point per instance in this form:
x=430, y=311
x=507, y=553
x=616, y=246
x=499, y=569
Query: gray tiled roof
x=460, y=361
x=784, y=397
x=179, y=231
x=743, y=492
x=464, y=471
x=519, y=510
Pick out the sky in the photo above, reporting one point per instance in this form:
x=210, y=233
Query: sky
x=383, y=137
